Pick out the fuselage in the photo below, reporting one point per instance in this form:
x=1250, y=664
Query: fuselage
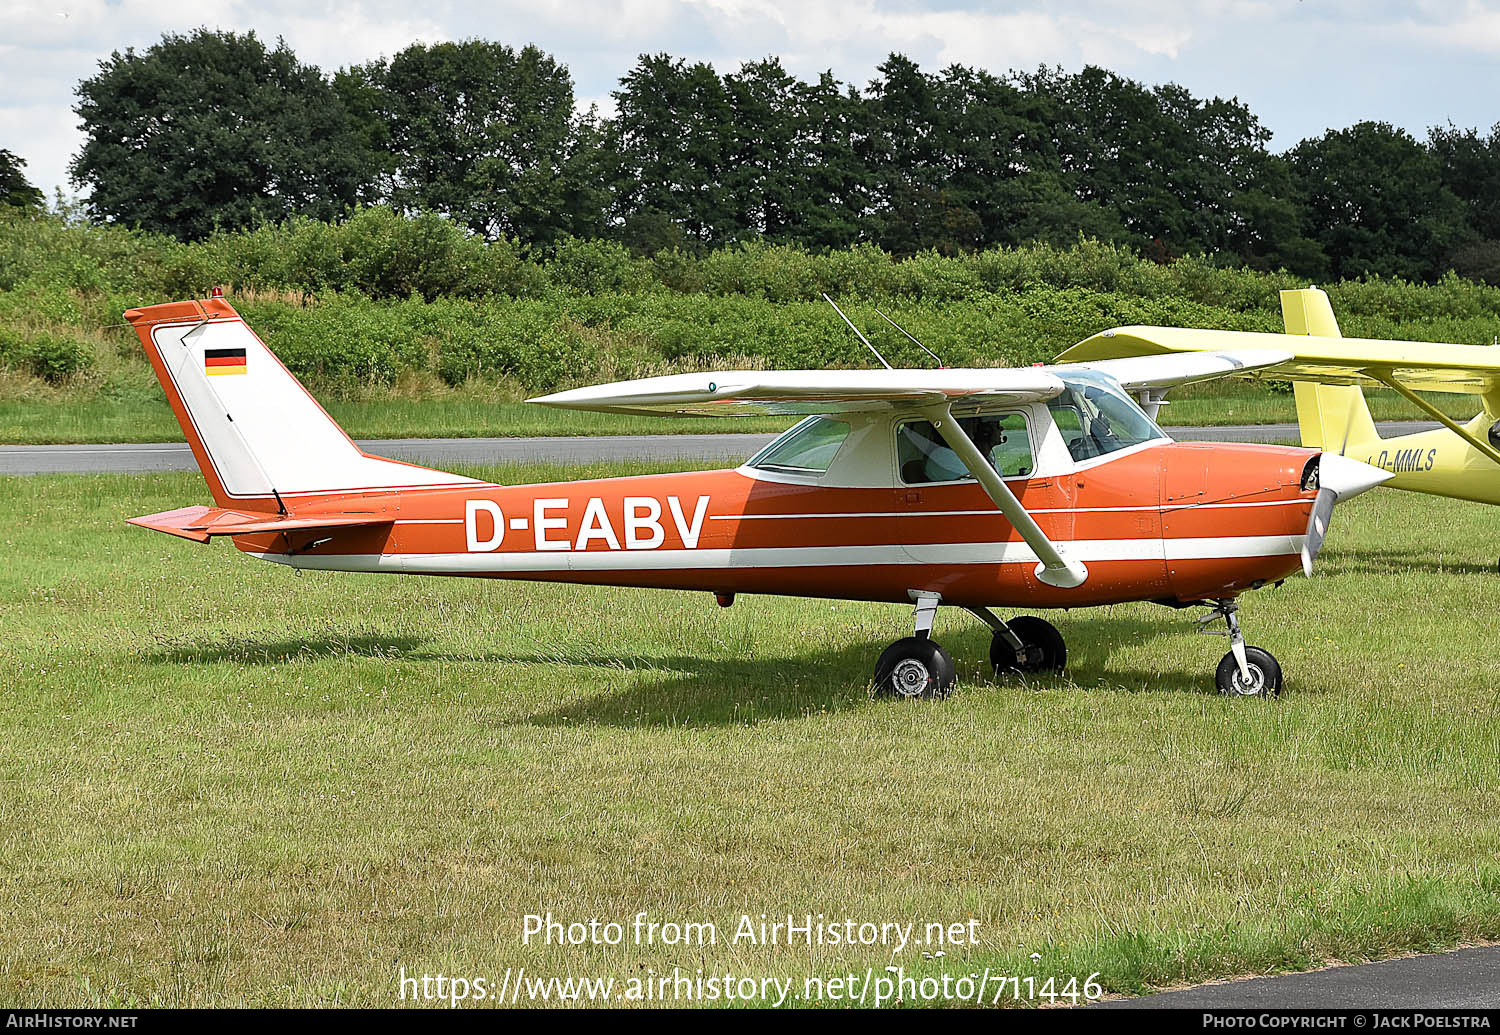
x=1437, y=462
x=1161, y=521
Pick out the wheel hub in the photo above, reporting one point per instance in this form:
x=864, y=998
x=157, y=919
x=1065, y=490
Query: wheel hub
x=1251, y=688
x=910, y=678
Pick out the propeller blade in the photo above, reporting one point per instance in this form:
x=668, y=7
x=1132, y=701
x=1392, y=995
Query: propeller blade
x=1317, y=528
x=1339, y=478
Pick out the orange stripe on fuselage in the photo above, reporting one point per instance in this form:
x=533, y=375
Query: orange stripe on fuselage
x=1115, y=501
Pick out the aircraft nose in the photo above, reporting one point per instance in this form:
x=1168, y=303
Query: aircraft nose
x=1337, y=478
x=1348, y=478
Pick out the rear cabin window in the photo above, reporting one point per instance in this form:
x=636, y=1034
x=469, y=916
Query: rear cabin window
x=923, y=457
x=807, y=449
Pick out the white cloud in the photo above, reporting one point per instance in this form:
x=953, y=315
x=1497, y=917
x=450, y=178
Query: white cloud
x=1475, y=26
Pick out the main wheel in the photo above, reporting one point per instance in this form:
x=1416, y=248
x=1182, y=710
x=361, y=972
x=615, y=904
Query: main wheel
x=1265, y=675
x=1042, y=648
x=914, y=667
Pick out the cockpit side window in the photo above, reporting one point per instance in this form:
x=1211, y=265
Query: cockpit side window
x=923, y=457
x=808, y=448
x=1096, y=418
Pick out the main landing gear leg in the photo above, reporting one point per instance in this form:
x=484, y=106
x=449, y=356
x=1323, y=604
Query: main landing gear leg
x=1245, y=671
x=1025, y=644
x=916, y=666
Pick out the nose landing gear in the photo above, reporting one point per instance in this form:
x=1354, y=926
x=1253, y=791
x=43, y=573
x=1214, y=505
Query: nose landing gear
x=1245, y=671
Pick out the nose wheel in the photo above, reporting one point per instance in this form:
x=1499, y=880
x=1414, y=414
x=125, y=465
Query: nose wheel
x=1245, y=671
x=1261, y=678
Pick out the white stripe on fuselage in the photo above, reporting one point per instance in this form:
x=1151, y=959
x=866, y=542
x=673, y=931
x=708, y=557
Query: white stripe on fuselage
x=953, y=554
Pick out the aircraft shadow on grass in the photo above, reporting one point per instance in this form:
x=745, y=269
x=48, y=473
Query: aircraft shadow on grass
x=723, y=690
x=247, y=650
x=720, y=689
x=1372, y=561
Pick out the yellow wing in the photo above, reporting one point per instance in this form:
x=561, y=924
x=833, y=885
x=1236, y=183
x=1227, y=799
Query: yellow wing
x=1317, y=353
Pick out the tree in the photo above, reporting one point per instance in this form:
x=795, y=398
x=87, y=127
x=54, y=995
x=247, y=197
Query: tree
x=905, y=147
x=212, y=129
x=764, y=153
x=1471, y=170
x=485, y=134
x=15, y=189
x=832, y=188
x=1376, y=203
x=674, y=125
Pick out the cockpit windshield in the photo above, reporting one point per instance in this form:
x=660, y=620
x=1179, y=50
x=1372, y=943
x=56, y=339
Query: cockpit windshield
x=1096, y=417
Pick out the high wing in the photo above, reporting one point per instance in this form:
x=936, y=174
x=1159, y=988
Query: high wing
x=1137, y=371
x=726, y=393
x=1416, y=365
x=794, y=392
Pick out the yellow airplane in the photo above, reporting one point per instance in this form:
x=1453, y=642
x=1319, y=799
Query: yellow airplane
x=1329, y=373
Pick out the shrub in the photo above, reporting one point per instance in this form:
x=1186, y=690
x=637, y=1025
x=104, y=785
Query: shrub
x=44, y=354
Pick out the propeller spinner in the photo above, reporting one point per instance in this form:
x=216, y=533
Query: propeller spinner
x=1338, y=478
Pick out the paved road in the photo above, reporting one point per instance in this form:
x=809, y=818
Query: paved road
x=174, y=456
x=1465, y=979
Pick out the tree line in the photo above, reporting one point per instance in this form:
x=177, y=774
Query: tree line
x=218, y=130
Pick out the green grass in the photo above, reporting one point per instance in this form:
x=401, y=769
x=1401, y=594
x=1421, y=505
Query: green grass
x=223, y=783
x=144, y=416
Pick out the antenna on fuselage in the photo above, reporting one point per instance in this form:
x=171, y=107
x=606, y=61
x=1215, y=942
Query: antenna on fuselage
x=855, y=329
x=912, y=338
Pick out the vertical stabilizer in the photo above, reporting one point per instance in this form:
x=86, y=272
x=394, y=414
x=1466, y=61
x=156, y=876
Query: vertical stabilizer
x=259, y=438
x=1331, y=417
x=1307, y=311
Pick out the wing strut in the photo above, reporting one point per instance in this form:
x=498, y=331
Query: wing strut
x=1054, y=569
x=1387, y=378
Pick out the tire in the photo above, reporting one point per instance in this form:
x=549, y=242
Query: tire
x=1044, y=649
x=1265, y=675
x=913, y=668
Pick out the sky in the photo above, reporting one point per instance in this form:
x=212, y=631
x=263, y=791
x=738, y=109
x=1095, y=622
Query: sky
x=1302, y=66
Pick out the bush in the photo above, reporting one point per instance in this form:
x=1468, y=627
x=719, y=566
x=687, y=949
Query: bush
x=594, y=267
x=367, y=299
x=44, y=354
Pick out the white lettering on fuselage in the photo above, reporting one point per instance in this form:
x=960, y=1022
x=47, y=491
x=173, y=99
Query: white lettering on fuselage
x=641, y=518
x=472, y=510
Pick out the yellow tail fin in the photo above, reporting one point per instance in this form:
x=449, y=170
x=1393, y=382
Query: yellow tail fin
x=1332, y=417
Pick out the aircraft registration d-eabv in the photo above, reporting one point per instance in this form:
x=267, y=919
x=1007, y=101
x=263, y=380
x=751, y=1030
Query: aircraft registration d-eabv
x=1038, y=487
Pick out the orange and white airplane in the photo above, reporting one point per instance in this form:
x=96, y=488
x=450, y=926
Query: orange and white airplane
x=1041, y=487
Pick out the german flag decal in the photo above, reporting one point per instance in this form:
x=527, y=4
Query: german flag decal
x=223, y=361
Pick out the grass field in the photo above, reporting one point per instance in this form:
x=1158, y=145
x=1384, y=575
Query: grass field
x=38, y=416
x=222, y=783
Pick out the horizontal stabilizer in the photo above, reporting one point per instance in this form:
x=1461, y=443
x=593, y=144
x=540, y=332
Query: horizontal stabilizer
x=201, y=523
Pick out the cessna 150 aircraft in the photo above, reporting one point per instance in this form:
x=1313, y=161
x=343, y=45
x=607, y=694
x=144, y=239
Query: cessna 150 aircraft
x=1039, y=487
